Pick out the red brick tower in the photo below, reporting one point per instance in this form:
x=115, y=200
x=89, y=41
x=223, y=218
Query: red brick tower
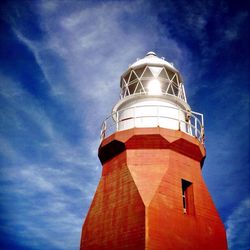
x=151, y=194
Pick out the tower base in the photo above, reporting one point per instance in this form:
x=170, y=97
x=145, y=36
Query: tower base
x=152, y=195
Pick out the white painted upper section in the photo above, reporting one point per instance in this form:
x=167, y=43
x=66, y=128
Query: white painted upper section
x=152, y=111
x=131, y=100
x=153, y=95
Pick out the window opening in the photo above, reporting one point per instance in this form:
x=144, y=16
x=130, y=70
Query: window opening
x=187, y=197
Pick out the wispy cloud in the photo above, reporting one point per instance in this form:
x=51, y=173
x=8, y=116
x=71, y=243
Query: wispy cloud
x=234, y=26
x=238, y=227
x=66, y=176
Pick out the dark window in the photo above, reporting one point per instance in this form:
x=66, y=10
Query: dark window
x=187, y=197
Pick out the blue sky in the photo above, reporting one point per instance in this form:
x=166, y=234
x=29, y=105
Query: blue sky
x=60, y=63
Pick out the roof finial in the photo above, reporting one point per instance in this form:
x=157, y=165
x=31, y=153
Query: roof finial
x=151, y=53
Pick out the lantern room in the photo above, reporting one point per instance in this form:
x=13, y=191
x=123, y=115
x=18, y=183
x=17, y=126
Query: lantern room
x=153, y=95
x=154, y=76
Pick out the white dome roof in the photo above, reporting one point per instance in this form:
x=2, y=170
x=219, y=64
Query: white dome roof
x=152, y=59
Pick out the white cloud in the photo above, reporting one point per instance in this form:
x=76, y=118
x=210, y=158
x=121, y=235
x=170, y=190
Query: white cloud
x=238, y=226
x=95, y=46
x=43, y=200
x=43, y=190
x=233, y=28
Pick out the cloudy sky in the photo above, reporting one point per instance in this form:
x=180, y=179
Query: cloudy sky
x=60, y=63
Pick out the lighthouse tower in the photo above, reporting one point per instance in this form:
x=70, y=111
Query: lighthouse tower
x=151, y=194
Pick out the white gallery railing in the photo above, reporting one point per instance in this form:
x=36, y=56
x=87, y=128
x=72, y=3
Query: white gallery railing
x=189, y=122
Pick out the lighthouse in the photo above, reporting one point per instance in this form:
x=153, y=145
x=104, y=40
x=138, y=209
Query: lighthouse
x=151, y=193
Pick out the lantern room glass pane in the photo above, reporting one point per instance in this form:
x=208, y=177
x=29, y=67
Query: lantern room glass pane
x=175, y=80
x=132, y=77
x=126, y=77
x=175, y=90
x=163, y=74
x=132, y=88
x=155, y=71
x=170, y=90
x=170, y=74
x=165, y=86
x=139, y=71
x=145, y=83
x=147, y=73
x=139, y=88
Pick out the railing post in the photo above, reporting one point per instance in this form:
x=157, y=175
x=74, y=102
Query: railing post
x=117, y=121
x=179, y=120
x=202, y=135
x=103, y=131
x=134, y=117
x=158, y=124
x=195, y=126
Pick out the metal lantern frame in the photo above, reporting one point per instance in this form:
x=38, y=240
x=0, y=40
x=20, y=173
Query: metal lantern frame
x=135, y=81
